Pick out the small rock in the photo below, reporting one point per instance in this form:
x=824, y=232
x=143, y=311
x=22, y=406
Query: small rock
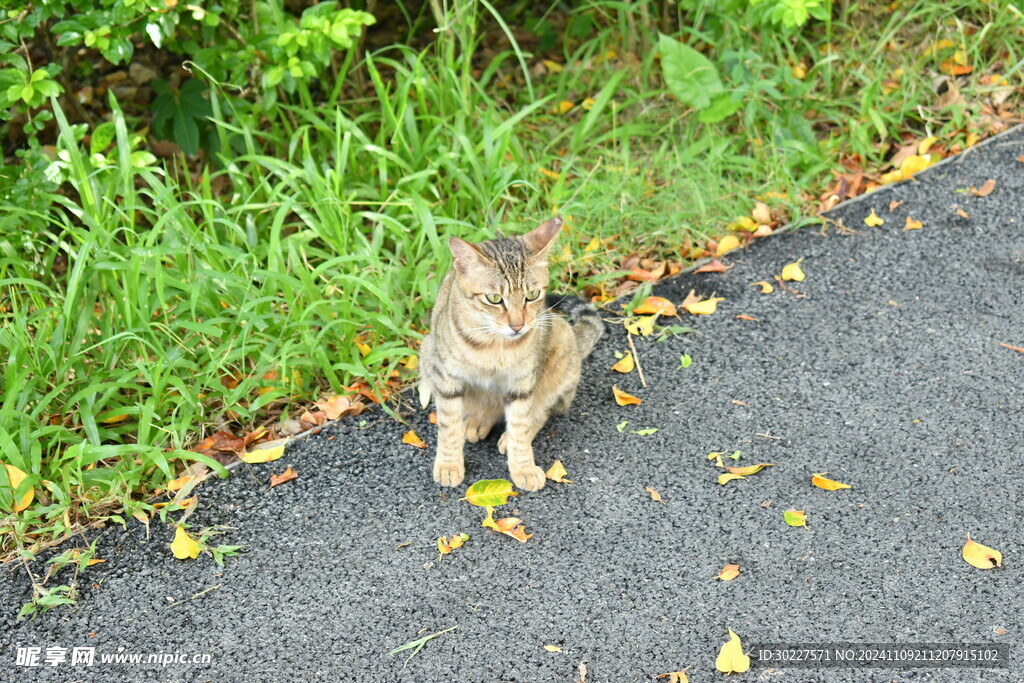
x=141, y=74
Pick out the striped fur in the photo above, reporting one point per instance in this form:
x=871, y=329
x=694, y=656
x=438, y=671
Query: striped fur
x=517, y=361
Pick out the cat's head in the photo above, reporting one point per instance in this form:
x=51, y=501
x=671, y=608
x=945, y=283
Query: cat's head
x=503, y=282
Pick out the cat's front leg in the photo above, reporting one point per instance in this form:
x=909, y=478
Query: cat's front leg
x=520, y=428
x=449, y=464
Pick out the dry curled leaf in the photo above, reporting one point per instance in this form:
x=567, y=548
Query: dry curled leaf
x=1018, y=349
x=287, y=475
x=766, y=287
x=413, y=439
x=893, y=205
x=655, y=496
x=985, y=190
x=726, y=477
x=626, y=364
x=557, y=473
x=911, y=224
x=960, y=212
x=624, y=399
x=676, y=676
x=728, y=572
x=445, y=546
x=715, y=266
x=510, y=526
x=822, y=482
x=980, y=556
x=552, y=648
x=761, y=213
x=748, y=318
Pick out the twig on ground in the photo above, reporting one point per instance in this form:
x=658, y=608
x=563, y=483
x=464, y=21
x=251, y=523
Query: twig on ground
x=636, y=359
x=197, y=595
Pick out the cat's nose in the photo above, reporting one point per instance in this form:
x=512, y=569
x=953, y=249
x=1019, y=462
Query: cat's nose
x=516, y=327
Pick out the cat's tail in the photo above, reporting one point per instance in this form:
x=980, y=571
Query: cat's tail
x=586, y=322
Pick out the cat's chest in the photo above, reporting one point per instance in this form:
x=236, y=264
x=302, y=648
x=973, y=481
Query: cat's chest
x=495, y=373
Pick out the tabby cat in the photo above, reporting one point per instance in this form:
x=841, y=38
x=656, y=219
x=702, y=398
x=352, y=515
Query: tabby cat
x=496, y=351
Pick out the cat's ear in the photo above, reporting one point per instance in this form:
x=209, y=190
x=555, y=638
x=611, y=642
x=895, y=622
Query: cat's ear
x=541, y=237
x=465, y=256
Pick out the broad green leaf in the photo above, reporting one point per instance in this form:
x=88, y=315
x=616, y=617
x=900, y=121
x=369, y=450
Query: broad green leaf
x=690, y=76
x=490, y=492
x=186, y=133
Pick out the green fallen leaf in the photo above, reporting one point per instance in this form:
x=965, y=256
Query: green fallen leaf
x=735, y=455
x=643, y=432
x=490, y=493
x=621, y=426
x=685, y=361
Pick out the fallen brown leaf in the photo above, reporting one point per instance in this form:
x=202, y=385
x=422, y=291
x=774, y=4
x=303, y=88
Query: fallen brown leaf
x=985, y=190
x=715, y=266
x=1011, y=347
x=960, y=212
x=655, y=304
x=893, y=205
x=287, y=475
x=655, y=496
x=749, y=318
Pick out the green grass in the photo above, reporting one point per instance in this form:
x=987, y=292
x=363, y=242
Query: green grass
x=134, y=299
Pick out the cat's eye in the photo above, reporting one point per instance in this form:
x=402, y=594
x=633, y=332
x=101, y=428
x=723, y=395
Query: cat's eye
x=493, y=298
x=532, y=295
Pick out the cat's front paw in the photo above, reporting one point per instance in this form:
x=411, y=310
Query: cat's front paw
x=530, y=478
x=448, y=473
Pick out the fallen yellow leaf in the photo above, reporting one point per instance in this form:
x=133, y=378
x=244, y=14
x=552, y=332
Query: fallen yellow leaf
x=413, y=439
x=114, y=420
x=795, y=517
x=761, y=213
x=981, y=556
x=554, y=175
x=726, y=477
x=655, y=304
x=445, y=546
x=749, y=469
x=766, y=287
x=717, y=457
x=179, y=483
x=625, y=364
x=655, y=496
x=510, y=526
x=873, y=221
x=552, y=66
x=565, y=106
x=552, y=648
x=727, y=244
x=821, y=482
x=258, y=455
x=642, y=326
x=926, y=144
x=705, y=307
x=490, y=493
x=16, y=476
x=184, y=546
x=624, y=399
x=557, y=473
x=728, y=572
x=793, y=272
x=675, y=676
x=588, y=103
x=744, y=223
x=731, y=659
x=593, y=245
x=916, y=162
x=912, y=224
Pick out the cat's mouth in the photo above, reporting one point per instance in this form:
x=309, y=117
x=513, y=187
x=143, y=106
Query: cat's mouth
x=509, y=333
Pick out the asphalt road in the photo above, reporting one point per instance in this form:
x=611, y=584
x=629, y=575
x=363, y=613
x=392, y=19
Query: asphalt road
x=886, y=371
